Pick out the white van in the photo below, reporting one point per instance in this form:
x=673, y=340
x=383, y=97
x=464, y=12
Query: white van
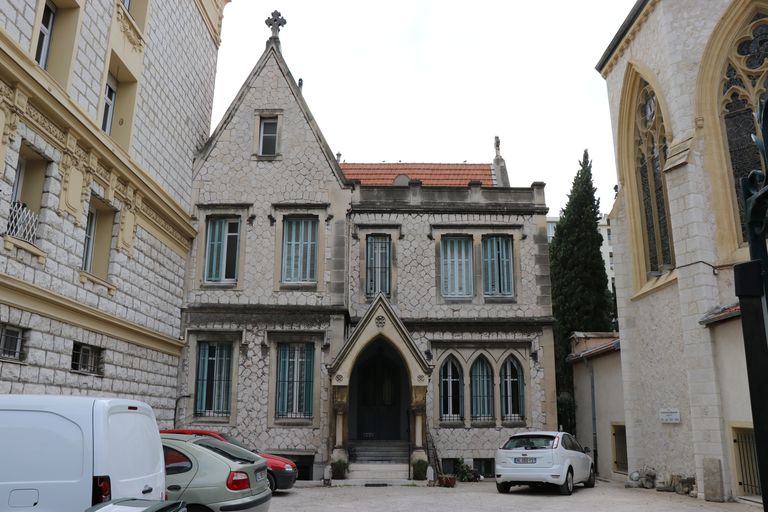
x=66, y=453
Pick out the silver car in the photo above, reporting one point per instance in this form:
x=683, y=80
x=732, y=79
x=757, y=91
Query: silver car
x=212, y=475
x=537, y=458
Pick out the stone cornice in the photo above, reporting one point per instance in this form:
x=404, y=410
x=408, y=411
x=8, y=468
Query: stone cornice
x=40, y=102
x=212, y=11
x=621, y=41
x=20, y=294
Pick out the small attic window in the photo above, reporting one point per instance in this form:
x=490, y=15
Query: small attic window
x=267, y=141
x=268, y=137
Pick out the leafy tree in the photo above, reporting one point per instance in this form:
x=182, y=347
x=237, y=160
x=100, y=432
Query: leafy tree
x=581, y=300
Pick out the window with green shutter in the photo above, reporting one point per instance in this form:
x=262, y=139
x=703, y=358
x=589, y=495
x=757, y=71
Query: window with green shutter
x=214, y=381
x=222, y=248
x=456, y=266
x=299, y=250
x=295, y=368
x=497, y=266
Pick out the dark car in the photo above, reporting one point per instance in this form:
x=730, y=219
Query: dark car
x=281, y=472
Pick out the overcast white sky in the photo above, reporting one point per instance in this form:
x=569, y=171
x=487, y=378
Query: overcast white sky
x=435, y=81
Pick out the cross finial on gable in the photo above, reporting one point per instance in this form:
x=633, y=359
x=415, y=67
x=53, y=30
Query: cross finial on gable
x=275, y=22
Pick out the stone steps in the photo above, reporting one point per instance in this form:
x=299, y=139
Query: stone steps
x=379, y=452
x=377, y=471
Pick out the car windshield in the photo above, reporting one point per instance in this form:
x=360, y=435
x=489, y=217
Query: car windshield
x=533, y=442
x=227, y=450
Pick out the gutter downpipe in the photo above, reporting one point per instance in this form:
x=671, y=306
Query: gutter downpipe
x=591, y=370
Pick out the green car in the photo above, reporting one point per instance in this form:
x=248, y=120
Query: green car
x=211, y=475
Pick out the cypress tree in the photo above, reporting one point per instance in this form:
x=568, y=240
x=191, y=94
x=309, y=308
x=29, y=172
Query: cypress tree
x=581, y=300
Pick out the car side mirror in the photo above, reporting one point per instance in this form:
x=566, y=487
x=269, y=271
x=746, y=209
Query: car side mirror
x=587, y=449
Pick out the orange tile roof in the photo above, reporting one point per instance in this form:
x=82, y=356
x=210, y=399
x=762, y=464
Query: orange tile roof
x=431, y=175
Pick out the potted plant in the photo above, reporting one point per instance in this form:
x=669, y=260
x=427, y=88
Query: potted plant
x=446, y=480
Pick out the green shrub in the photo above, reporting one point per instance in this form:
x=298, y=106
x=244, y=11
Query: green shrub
x=420, y=469
x=339, y=469
x=465, y=472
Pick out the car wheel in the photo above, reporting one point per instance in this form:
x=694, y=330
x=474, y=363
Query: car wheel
x=272, y=485
x=567, y=488
x=197, y=508
x=503, y=487
x=591, y=480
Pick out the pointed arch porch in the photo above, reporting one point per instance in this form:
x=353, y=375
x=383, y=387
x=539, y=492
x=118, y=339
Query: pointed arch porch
x=380, y=324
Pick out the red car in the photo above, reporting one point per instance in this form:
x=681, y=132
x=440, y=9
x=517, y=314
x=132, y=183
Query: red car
x=281, y=472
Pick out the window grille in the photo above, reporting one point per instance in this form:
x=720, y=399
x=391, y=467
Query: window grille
x=11, y=342
x=456, y=266
x=214, y=369
x=300, y=251
x=378, y=271
x=222, y=250
x=22, y=222
x=481, y=384
x=451, y=391
x=512, y=391
x=497, y=266
x=86, y=358
x=295, y=368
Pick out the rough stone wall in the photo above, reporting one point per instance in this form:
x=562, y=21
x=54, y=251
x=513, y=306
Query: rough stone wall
x=148, y=281
x=130, y=371
x=173, y=104
x=415, y=257
x=17, y=17
x=301, y=175
x=251, y=424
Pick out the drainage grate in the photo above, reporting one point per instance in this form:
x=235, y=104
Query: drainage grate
x=376, y=485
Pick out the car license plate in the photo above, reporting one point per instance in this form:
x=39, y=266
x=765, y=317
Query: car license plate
x=261, y=475
x=525, y=460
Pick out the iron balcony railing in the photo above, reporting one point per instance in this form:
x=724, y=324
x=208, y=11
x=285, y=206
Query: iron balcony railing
x=22, y=222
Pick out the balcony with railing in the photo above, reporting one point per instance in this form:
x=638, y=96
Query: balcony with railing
x=22, y=223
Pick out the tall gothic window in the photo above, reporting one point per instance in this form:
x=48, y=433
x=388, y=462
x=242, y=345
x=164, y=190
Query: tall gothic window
x=650, y=157
x=451, y=391
x=744, y=84
x=481, y=385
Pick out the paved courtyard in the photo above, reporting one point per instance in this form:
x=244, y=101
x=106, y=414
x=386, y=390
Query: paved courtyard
x=606, y=497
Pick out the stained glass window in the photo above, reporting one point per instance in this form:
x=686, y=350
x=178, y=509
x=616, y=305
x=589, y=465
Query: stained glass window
x=651, y=155
x=744, y=85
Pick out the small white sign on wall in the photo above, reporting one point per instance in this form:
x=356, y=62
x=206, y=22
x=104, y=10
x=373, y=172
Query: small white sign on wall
x=669, y=415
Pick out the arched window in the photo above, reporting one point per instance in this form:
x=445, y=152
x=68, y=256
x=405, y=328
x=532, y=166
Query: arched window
x=451, y=391
x=744, y=84
x=481, y=385
x=512, y=391
x=650, y=158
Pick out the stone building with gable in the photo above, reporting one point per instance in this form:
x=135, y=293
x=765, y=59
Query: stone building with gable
x=683, y=79
x=387, y=312
x=103, y=105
